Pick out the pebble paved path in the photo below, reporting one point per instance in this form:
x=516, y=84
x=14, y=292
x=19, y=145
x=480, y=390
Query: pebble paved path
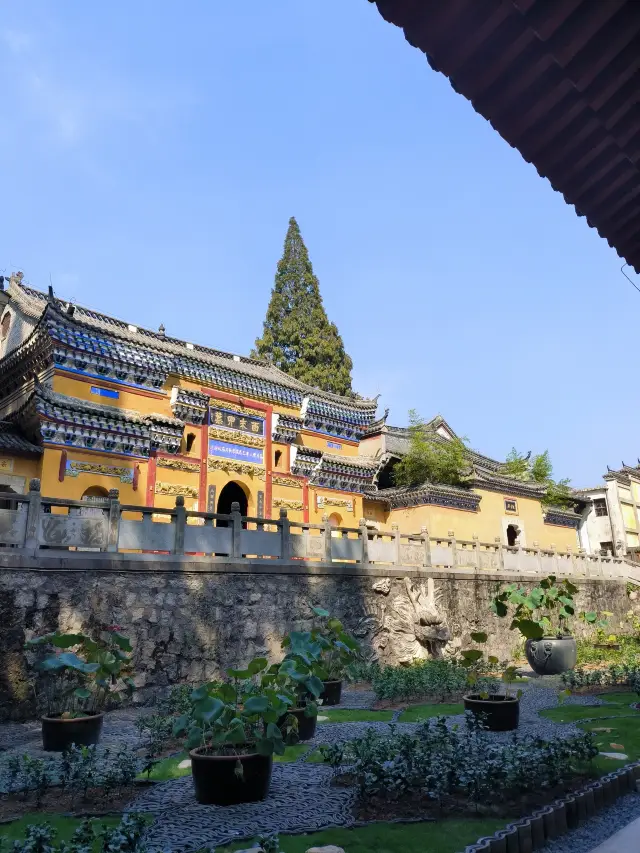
x=301, y=798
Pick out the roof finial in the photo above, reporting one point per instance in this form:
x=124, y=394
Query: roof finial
x=50, y=297
x=161, y=329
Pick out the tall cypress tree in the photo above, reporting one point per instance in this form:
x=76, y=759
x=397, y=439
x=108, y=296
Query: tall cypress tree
x=297, y=336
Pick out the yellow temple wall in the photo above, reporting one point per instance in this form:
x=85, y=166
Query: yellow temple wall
x=487, y=523
x=13, y=467
x=319, y=442
x=72, y=488
x=146, y=403
x=344, y=516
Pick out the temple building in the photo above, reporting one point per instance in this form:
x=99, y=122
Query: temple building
x=89, y=403
x=489, y=506
x=611, y=515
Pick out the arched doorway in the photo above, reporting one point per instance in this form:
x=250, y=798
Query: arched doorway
x=512, y=535
x=94, y=492
x=228, y=494
x=335, y=520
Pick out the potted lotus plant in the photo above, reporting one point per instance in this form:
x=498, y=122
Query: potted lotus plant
x=232, y=733
x=339, y=650
x=500, y=712
x=78, y=677
x=543, y=615
x=299, y=669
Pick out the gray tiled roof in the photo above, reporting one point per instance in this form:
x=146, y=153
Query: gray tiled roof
x=33, y=303
x=12, y=442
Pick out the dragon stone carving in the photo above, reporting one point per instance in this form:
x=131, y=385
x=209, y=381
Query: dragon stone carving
x=410, y=626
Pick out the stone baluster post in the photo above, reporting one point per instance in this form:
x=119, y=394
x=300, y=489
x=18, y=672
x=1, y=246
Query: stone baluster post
x=536, y=545
x=395, y=532
x=426, y=543
x=556, y=565
x=33, y=517
x=113, y=530
x=519, y=557
x=326, y=535
x=476, y=551
x=584, y=562
x=453, y=545
x=500, y=551
x=181, y=522
x=236, y=530
x=285, y=535
x=364, y=538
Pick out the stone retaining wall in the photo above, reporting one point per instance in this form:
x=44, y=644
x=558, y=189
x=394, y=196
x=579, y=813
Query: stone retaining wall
x=191, y=625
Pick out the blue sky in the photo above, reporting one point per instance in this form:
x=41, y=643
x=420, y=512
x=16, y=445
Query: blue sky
x=152, y=153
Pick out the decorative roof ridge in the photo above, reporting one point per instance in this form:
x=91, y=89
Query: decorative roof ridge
x=12, y=440
x=32, y=300
x=65, y=401
x=354, y=461
x=484, y=476
x=585, y=489
x=560, y=510
x=405, y=432
x=427, y=486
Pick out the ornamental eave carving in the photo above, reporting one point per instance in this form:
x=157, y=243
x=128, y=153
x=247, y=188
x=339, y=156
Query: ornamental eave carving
x=178, y=464
x=176, y=489
x=288, y=504
x=237, y=467
x=286, y=481
x=237, y=437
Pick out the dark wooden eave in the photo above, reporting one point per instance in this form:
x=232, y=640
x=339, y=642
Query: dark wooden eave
x=560, y=81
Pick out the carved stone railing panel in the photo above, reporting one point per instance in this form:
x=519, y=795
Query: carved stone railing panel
x=13, y=526
x=69, y=531
x=381, y=551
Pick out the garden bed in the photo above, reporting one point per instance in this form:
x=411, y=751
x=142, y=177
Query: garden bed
x=98, y=801
x=420, y=806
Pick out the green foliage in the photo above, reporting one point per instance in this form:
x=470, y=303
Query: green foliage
x=297, y=336
x=517, y=465
x=615, y=675
x=339, y=649
x=543, y=610
x=470, y=659
x=438, y=679
x=125, y=837
x=461, y=761
x=76, y=771
x=538, y=469
x=243, y=714
x=83, y=681
x=628, y=651
x=431, y=458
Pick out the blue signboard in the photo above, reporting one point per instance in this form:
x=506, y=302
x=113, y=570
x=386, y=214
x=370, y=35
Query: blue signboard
x=235, y=451
x=105, y=392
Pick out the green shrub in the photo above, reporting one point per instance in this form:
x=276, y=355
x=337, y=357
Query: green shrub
x=438, y=679
x=458, y=761
x=615, y=675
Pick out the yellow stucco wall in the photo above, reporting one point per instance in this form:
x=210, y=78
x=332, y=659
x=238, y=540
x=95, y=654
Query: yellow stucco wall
x=72, y=488
x=487, y=523
x=629, y=516
x=130, y=399
x=320, y=442
x=18, y=470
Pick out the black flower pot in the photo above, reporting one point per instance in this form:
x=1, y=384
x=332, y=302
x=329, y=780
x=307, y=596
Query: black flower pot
x=551, y=655
x=499, y=713
x=331, y=693
x=217, y=780
x=306, y=725
x=58, y=734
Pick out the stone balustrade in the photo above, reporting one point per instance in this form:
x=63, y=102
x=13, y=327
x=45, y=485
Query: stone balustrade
x=35, y=526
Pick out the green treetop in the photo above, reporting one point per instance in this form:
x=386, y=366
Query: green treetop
x=297, y=336
x=539, y=470
x=430, y=458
